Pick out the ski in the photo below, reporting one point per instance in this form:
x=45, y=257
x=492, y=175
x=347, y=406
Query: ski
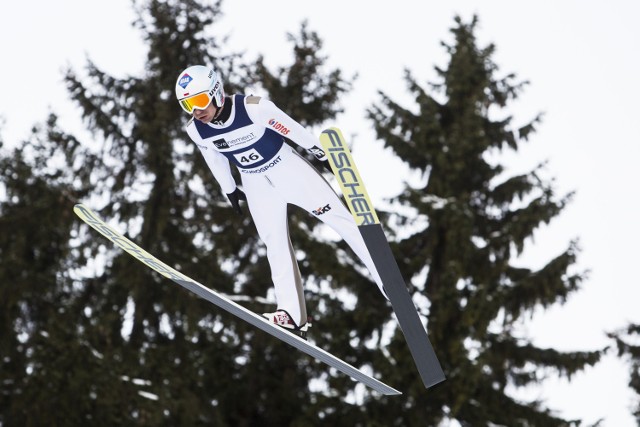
x=357, y=199
x=92, y=219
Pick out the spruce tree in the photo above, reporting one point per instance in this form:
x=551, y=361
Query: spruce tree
x=471, y=220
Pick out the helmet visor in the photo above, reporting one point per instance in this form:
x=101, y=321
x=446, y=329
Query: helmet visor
x=200, y=101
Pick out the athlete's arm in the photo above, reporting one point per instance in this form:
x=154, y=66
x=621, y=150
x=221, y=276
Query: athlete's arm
x=265, y=113
x=220, y=168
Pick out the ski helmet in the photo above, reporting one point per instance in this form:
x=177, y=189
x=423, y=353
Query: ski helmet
x=197, y=86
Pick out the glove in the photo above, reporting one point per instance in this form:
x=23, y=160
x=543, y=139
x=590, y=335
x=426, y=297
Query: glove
x=319, y=153
x=322, y=156
x=234, y=199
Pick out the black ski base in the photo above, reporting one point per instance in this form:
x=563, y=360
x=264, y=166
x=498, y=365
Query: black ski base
x=408, y=318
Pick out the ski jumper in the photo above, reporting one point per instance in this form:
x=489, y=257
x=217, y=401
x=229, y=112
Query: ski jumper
x=274, y=175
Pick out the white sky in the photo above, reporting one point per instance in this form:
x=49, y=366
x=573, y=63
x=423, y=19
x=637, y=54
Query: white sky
x=581, y=58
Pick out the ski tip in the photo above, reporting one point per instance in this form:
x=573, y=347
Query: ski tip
x=79, y=209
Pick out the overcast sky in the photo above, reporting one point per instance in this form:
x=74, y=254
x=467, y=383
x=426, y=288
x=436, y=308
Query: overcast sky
x=582, y=61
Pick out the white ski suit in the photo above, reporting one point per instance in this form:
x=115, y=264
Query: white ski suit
x=274, y=175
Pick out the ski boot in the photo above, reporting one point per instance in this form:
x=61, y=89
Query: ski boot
x=284, y=320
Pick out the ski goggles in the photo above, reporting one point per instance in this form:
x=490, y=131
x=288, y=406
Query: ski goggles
x=199, y=101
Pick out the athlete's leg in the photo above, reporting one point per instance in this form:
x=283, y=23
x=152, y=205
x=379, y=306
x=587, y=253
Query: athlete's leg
x=269, y=212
